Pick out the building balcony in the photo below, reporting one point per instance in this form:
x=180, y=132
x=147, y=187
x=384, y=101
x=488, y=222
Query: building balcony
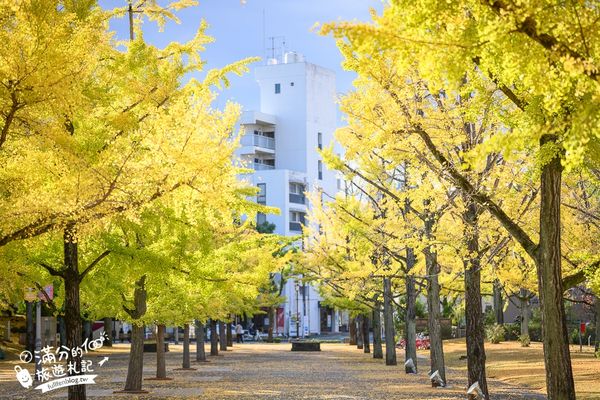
x=297, y=198
x=259, y=166
x=264, y=142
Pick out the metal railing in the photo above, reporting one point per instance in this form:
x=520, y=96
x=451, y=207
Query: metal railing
x=250, y=139
x=259, y=166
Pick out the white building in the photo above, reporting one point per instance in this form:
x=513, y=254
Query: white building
x=297, y=116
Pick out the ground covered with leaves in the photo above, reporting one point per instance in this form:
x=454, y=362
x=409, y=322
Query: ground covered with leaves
x=272, y=371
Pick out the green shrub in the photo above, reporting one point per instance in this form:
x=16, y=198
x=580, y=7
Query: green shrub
x=277, y=340
x=495, y=333
x=524, y=340
x=575, y=336
x=513, y=331
x=535, y=332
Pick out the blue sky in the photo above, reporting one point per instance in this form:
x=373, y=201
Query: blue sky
x=238, y=32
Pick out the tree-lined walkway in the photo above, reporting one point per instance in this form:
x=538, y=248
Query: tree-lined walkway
x=271, y=371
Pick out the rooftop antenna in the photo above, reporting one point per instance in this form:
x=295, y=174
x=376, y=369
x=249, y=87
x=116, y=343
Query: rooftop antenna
x=277, y=48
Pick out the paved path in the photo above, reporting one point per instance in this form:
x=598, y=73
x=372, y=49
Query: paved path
x=271, y=371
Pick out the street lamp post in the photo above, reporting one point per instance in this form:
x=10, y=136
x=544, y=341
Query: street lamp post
x=297, y=311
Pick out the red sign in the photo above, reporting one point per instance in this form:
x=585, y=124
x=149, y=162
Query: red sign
x=280, y=319
x=49, y=289
x=582, y=328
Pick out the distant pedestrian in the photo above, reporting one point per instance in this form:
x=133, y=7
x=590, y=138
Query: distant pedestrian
x=239, y=332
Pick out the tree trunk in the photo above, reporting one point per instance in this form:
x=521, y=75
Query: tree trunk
x=559, y=374
x=229, y=335
x=597, y=347
x=410, y=337
x=498, y=302
x=62, y=330
x=436, y=351
x=359, y=332
x=161, y=366
x=525, y=311
x=351, y=331
x=365, y=334
x=473, y=313
x=135, y=369
x=377, y=347
x=388, y=323
x=214, y=338
x=272, y=323
x=72, y=306
x=186, y=346
x=200, y=353
x=30, y=338
x=222, y=336
x=108, y=331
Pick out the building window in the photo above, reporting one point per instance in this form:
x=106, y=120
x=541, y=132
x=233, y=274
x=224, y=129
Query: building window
x=320, y=169
x=261, y=197
x=297, y=193
x=261, y=218
x=297, y=216
x=320, y=140
x=296, y=221
x=277, y=88
x=296, y=188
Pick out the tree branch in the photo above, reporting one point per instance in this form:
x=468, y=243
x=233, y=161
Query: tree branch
x=93, y=264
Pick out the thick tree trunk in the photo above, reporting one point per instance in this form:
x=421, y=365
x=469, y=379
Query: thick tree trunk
x=498, y=302
x=186, y=346
x=222, y=336
x=473, y=312
x=108, y=331
x=214, y=338
x=72, y=307
x=388, y=323
x=200, y=351
x=377, y=346
x=135, y=369
x=559, y=374
x=410, y=337
x=272, y=323
x=436, y=351
x=161, y=366
x=359, y=332
x=525, y=311
x=229, y=335
x=351, y=331
x=30, y=338
x=365, y=333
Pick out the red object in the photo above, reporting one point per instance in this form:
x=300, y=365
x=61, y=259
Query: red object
x=582, y=328
x=280, y=319
x=49, y=289
x=422, y=344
